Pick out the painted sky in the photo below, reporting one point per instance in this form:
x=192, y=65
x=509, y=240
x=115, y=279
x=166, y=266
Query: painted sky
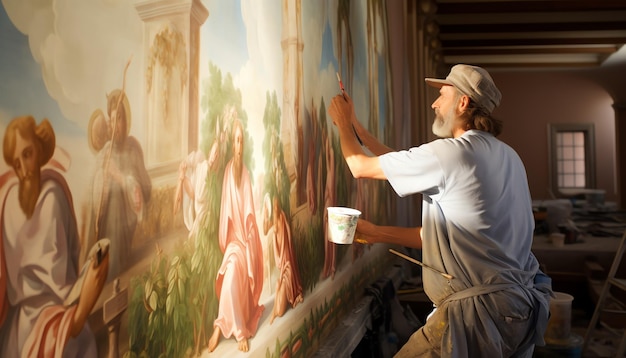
x=59, y=59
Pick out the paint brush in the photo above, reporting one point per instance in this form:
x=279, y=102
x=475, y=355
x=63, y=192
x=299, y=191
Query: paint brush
x=449, y=277
x=341, y=87
x=343, y=93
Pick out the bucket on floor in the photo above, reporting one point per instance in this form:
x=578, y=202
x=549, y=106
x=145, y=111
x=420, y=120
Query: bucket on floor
x=560, y=322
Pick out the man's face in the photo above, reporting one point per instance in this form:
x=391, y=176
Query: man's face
x=26, y=166
x=445, y=112
x=25, y=159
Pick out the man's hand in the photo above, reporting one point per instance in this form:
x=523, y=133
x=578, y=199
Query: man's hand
x=366, y=232
x=369, y=233
x=92, y=287
x=342, y=110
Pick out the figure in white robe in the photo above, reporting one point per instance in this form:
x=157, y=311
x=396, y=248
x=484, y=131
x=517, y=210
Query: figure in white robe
x=39, y=253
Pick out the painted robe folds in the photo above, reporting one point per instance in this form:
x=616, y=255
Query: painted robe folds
x=240, y=277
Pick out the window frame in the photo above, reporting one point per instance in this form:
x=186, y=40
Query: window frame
x=590, y=174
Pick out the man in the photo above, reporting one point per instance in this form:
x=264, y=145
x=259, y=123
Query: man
x=39, y=249
x=122, y=186
x=240, y=277
x=477, y=223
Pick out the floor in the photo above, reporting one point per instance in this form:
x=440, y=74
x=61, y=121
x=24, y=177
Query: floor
x=602, y=343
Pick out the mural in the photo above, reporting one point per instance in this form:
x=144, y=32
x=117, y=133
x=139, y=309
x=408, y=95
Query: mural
x=167, y=169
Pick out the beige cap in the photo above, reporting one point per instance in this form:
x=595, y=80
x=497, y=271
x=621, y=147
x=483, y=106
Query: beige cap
x=474, y=82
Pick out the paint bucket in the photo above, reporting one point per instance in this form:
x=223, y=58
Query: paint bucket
x=560, y=322
x=342, y=224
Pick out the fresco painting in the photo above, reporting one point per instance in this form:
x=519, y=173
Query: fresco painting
x=167, y=169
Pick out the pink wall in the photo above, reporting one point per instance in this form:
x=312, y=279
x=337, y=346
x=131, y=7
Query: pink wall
x=533, y=100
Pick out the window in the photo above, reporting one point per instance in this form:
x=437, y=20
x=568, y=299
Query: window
x=571, y=156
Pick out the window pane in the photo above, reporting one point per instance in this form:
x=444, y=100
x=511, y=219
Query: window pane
x=579, y=138
x=579, y=152
x=568, y=139
x=568, y=167
x=568, y=153
x=568, y=181
x=580, y=181
x=579, y=167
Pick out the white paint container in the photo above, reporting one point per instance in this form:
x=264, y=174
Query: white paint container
x=342, y=224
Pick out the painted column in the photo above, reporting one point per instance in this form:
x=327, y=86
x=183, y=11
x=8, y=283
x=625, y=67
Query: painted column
x=291, y=123
x=170, y=63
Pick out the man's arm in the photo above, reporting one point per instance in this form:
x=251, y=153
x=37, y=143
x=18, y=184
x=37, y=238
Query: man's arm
x=90, y=292
x=369, y=141
x=361, y=165
x=369, y=233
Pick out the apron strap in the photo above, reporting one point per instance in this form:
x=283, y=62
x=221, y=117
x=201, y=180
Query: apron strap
x=477, y=291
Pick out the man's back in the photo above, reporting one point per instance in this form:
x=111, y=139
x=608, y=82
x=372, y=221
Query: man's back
x=479, y=222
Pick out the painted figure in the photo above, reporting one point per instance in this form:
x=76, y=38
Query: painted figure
x=121, y=187
x=330, y=199
x=240, y=277
x=39, y=250
x=288, y=285
x=312, y=174
x=192, y=192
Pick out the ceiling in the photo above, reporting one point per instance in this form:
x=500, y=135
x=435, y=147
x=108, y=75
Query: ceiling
x=531, y=34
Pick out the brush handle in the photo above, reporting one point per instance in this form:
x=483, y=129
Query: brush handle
x=449, y=277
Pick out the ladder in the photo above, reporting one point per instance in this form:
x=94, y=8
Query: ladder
x=611, y=304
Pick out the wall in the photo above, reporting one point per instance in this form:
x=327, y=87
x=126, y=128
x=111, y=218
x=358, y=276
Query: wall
x=532, y=100
x=150, y=197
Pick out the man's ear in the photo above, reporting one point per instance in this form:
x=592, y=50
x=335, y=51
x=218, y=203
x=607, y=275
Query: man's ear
x=463, y=103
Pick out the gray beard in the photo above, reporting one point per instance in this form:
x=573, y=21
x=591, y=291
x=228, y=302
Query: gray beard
x=442, y=125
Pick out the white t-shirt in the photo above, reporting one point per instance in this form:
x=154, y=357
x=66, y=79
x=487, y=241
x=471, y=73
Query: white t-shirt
x=477, y=222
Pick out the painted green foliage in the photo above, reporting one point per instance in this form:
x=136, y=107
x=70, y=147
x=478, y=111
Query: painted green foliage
x=174, y=305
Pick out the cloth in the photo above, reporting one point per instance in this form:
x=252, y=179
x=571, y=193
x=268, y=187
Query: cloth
x=40, y=258
x=477, y=226
x=286, y=261
x=240, y=276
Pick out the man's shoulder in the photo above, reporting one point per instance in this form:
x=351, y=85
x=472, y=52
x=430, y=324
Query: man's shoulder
x=54, y=183
x=132, y=141
x=445, y=146
x=53, y=177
